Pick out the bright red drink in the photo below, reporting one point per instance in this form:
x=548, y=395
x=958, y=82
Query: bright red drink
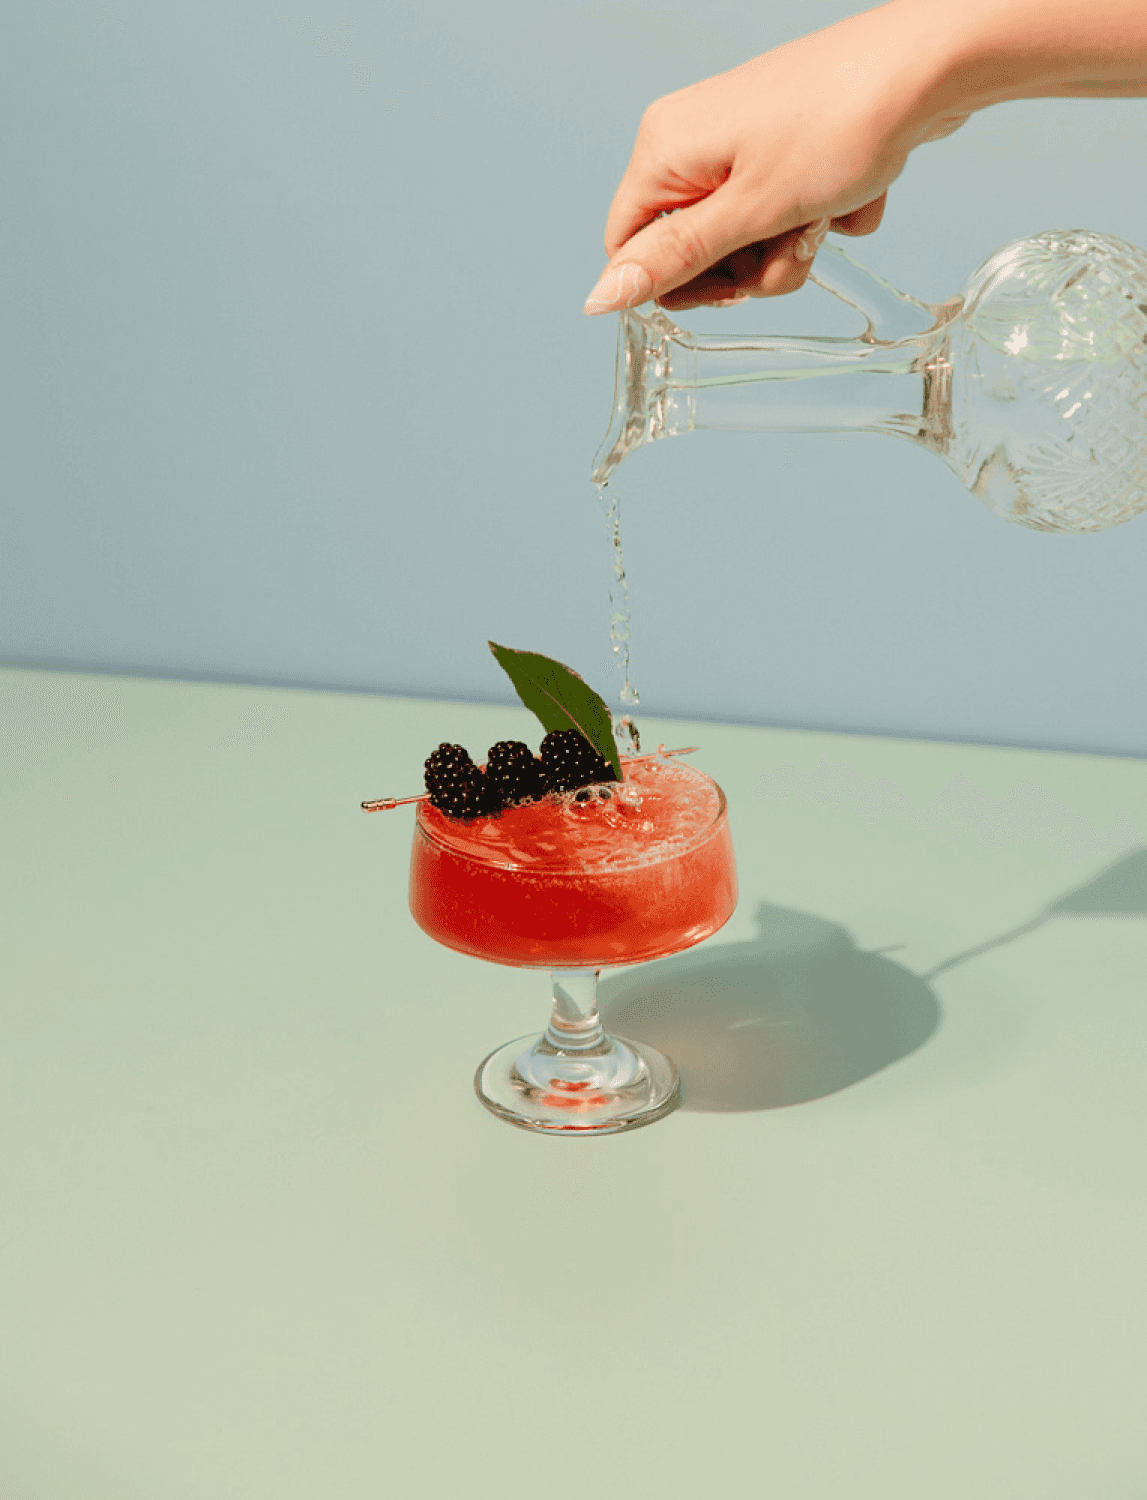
x=560, y=884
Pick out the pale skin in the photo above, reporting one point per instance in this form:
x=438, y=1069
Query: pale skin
x=734, y=181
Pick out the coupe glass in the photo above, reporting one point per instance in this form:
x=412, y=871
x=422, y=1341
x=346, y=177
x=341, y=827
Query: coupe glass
x=613, y=874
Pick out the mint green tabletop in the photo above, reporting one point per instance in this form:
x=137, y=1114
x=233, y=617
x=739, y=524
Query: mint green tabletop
x=258, y=1237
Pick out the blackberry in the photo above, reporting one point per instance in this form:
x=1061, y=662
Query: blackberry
x=491, y=799
x=456, y=786
x=570, y=761
x=452, y=779
x=514, y=770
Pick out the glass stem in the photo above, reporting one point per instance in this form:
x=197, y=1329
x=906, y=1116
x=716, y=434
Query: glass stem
x=575, y=1025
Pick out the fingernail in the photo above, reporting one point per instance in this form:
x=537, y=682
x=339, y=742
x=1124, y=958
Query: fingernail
x=733, y=300
x=809, y=242
x=620, y=286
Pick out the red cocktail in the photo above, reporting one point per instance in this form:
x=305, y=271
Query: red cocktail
x=616, y=873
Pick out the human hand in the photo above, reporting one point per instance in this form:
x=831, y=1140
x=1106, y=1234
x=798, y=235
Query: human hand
x=734, y=181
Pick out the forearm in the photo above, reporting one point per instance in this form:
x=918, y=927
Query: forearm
x=989, y=51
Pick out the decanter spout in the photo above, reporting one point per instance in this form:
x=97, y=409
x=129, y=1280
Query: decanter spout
x=649, y=347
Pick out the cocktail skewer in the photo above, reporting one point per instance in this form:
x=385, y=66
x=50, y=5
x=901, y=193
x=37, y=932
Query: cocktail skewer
x=386, y=804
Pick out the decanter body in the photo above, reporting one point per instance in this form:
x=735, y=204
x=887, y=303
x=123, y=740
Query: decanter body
x=1031, y=385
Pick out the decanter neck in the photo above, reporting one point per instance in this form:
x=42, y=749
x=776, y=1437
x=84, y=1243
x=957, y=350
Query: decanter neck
x=894, y=378
x=806, y=385
x=669, y=382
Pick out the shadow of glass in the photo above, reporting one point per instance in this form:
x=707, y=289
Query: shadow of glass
x=795, y=1014
x=1118, y=891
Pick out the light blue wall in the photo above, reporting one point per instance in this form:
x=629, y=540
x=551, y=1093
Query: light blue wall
x=297, y=387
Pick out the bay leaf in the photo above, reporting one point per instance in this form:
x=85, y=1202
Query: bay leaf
x=560, y=698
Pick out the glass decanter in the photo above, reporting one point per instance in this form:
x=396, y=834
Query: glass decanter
x=1031, y=385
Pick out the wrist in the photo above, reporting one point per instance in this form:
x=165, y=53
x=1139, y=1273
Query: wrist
x=975, y=53
x=984, y=54
x=922, y=61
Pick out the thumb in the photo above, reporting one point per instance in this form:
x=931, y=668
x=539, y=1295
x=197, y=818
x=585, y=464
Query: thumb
x=672, y=250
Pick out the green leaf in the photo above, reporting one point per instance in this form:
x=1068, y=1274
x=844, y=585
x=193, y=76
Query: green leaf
x=560, y=698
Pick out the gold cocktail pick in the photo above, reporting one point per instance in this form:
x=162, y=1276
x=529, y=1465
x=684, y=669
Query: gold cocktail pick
x=385, y=804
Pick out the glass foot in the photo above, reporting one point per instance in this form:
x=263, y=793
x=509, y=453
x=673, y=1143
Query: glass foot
x=615, y=1085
